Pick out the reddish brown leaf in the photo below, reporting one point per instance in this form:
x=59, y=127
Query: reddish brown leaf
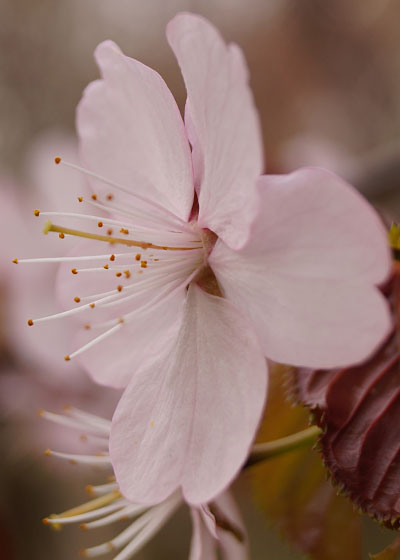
x=293, y=491
x=359, y=411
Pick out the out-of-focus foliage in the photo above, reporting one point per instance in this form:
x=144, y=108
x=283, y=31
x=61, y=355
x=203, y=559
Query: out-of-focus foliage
x=293, y=490
x=392, y=552
x=358, y=409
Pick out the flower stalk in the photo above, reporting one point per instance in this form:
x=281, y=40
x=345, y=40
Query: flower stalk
x=269, y=449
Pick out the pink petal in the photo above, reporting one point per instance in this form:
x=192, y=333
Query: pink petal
x=306, y=277
x=222, y=124
x=190, y=421
x=203, y=546
x=140, y=343
x=207, y=537
x=132, y=133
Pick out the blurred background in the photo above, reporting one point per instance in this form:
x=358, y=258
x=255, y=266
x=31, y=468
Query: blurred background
x=326, y=80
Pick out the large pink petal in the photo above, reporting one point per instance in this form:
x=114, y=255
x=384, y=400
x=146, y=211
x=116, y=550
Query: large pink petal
x=190, y=421
x=222, y=124
x=306, y=278
x=132, y=133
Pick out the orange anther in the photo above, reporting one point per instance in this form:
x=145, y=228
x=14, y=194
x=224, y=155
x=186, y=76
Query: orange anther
x=77, y=299
x=109, y=231
x=127, y=273
x=105, y=266
x=143, y=264
x=92, y=305
x=119, y=288
x=57, y=160
x=80, y=198
x=112, y=258
x=36, y=212
x=118, y=274
x=15, y=261
x=110, y=196
x=61, y=235
x=74, y=271
x=30, y=322
x=94, y=196
x=67, y=358
x=99, y=224
x=138, y=257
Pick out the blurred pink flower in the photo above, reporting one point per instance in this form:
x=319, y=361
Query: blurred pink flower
x=222, y=267
x=216, y=527
x=28, y=288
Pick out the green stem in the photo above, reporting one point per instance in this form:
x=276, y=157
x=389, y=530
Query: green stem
x=264, y=451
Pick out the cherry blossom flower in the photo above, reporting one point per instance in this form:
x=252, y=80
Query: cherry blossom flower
x=211, y=266
x=216, y=527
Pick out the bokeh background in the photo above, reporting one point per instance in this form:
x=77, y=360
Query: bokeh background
x=326, y=80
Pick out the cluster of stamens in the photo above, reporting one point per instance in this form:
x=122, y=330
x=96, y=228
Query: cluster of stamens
x=107, y=505
x=152, y=255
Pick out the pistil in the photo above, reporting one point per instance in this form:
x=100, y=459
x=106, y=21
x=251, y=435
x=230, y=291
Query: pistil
x=50, y=227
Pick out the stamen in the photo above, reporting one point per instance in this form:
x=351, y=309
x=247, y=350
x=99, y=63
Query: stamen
x=89, y=419
x=77, y=518
x=101, y=489
x=88, y=506
x=123, y=514
x=49, y=226
x=95, y=341
x=73, y=423
x=117, y=186
x=83, y=459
